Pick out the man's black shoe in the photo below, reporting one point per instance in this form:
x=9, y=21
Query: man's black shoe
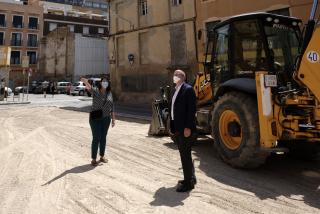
x=193, y=180
x=185, y=188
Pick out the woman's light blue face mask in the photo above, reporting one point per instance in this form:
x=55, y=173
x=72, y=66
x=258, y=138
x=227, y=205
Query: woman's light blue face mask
x=104, y=84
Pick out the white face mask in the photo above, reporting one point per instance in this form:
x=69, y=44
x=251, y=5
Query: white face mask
x=176, y=79
x=104, y=84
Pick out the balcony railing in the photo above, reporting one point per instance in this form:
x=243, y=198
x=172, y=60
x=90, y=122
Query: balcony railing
x=15, y=25
x=3, y=24
x=33, y=62
x=33, y=27
x=15, y=61
x=76, y=3
x=16, y=43
x=103, y=23
x=32, y=43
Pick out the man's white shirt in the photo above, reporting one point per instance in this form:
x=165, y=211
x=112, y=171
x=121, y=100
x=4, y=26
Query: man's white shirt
x=174, y=100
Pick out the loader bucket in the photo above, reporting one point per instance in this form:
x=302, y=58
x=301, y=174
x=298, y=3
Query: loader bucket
x=158, y=122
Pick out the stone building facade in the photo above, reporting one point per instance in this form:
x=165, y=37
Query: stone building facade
x=160, y=36
x=56, y=61
x=66, y=56
x=148, y=40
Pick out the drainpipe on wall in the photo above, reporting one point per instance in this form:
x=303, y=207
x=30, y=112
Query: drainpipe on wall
x=195, y=29
x=109, y=21
x=66, y=58
x=55, y=54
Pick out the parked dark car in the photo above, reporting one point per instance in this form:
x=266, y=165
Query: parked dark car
x=32, y=86
x=40, y=87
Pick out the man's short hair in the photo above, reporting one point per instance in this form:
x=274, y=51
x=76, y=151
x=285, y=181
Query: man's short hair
x=180, y=73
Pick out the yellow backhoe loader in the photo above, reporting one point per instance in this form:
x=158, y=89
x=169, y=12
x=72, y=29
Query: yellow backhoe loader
x=260, y=89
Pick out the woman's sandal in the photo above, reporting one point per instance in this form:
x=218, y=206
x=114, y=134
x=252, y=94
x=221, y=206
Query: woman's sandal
x=94, y=163
x=103, y=160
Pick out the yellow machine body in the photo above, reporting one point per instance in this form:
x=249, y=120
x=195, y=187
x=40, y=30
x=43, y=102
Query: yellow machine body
x=309, y=72
x=202, y=84
x=275, y=125
x=202, y=88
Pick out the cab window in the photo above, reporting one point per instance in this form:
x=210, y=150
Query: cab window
x=249, y=53
x=221, y=58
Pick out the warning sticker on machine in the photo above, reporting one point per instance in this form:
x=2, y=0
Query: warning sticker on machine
x=313, y=56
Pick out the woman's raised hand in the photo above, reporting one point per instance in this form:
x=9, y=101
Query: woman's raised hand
x=86, y=82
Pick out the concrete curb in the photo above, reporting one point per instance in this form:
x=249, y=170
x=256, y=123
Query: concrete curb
x=14, y=103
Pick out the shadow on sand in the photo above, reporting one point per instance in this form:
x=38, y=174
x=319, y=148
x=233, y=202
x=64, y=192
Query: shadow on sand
x=87, y=109
x=168, y=197
x=81, y=109
x=279, y=176
x=75, y=170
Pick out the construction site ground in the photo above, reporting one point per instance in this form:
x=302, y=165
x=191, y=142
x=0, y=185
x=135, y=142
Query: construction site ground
x=45, y=168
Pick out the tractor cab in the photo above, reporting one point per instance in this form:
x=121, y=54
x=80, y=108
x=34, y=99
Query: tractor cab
x=248, y=43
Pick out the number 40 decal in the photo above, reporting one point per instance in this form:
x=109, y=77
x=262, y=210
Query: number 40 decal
x=313, y=56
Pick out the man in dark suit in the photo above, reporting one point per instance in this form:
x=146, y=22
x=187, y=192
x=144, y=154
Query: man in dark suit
x=183, y=126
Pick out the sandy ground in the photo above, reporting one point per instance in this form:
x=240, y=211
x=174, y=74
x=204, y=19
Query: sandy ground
x=44, y=156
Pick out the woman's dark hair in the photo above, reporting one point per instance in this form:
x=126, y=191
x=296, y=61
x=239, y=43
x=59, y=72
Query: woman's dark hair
x=99, y=85
x=109, y=85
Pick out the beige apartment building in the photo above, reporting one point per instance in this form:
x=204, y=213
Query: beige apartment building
x=210, y=12
x=148, y=40
x=21, y=29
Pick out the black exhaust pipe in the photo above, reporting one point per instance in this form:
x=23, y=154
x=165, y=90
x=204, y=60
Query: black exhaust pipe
x=310, y=27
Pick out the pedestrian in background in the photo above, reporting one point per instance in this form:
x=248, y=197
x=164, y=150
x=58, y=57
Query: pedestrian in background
x=183, y=126
x=53, y=88
x=44, y=89
x=101, y=115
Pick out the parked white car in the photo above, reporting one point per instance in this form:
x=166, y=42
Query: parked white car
x=7, y=91
x=63, y=87
x=78, y=88
x=20, y=89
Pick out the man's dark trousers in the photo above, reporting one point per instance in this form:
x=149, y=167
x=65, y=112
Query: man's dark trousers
x=185, y=154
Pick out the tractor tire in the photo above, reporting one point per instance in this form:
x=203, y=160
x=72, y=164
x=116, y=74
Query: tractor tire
x=235, y=129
